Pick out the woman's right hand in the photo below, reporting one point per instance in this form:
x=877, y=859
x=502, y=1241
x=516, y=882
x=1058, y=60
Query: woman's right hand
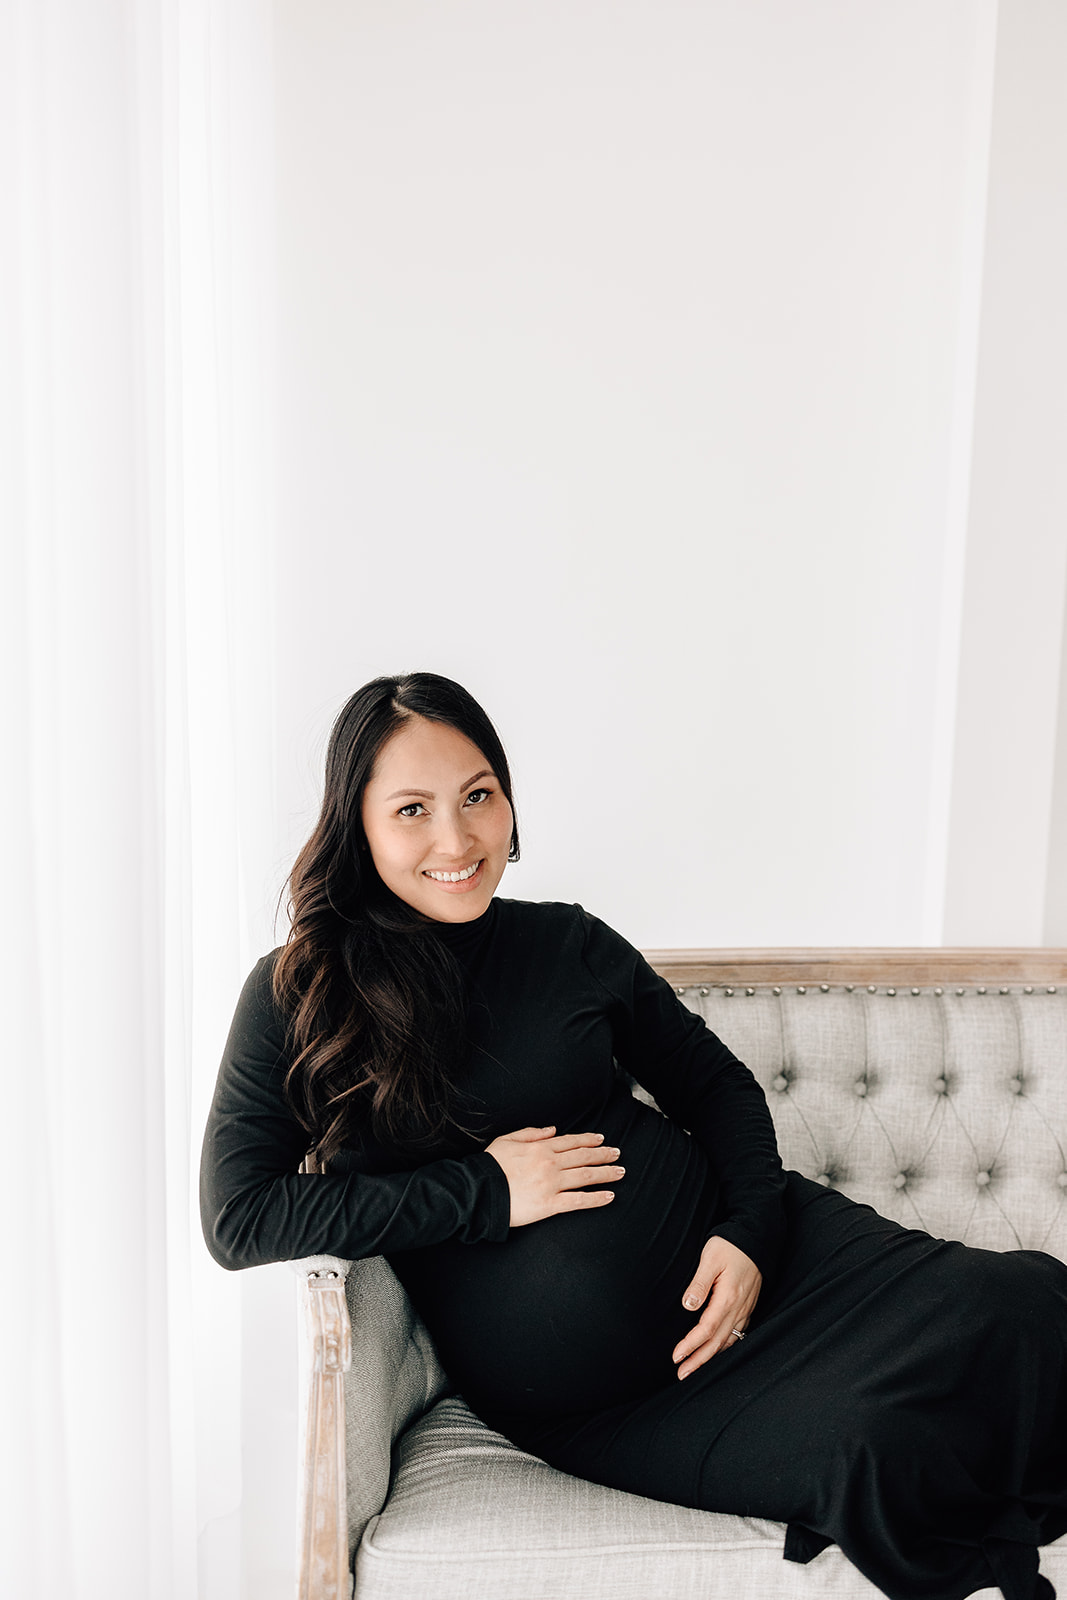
x=547, y=1175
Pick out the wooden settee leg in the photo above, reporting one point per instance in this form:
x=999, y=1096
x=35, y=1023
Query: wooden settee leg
x=323, y=1570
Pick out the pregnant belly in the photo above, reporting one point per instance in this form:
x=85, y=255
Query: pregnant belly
x=582, y=1310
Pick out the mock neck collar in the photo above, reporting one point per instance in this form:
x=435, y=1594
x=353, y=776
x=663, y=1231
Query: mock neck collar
x=466, y=939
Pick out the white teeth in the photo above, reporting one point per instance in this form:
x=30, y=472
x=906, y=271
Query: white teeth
x=454, y=877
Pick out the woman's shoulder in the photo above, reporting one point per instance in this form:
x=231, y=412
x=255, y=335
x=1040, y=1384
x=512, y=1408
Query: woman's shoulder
x=557, y=919
x=536, y=926
x=539, y=916
x=257, y=992
x=262, y=973
x=555, y=938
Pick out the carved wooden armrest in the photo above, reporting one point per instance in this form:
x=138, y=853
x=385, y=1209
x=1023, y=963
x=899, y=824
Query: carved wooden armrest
x=323, y=1559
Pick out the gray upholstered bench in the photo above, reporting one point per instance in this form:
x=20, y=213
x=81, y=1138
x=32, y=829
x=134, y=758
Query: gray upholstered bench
x=930, y=1084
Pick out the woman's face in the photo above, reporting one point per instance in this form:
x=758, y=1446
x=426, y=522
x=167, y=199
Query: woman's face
x=437, y=821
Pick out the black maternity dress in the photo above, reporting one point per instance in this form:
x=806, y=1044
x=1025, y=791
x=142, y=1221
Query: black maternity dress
x=902, y=1396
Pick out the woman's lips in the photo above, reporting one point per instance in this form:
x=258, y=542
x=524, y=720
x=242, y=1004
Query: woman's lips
x=461, y=885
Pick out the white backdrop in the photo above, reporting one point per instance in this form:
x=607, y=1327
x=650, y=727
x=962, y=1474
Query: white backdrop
x=633, y=357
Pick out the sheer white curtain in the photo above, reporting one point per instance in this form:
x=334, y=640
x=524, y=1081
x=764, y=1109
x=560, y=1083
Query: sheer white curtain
x=135, y=336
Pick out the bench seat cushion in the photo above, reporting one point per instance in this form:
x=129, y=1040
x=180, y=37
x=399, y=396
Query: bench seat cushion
x=470, y=1517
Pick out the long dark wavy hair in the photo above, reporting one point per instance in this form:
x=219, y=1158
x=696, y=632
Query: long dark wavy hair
x=372, y=998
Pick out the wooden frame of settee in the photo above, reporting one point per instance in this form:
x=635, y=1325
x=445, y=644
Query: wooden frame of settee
x=323, y=1572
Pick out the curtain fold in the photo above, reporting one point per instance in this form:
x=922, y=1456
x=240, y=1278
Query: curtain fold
x=136, y=337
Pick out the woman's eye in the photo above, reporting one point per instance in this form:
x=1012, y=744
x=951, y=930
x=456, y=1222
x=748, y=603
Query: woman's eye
x=410, y=810
x=478, y=795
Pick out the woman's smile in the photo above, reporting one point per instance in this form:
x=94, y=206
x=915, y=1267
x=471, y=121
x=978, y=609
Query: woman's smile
x=456, y=880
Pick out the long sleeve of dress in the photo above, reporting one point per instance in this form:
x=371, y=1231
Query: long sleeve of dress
x=699, y=1084
x=255, y=1205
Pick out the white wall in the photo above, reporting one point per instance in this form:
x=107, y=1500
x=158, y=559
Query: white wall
x=630, y=355
x=1007, y=862
x=688, y=380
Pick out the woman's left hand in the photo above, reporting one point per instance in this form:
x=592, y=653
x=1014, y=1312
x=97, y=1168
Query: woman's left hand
x=733, y=1283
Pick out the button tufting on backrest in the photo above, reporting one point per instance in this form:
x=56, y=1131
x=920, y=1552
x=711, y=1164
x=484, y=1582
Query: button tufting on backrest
x=943, y=1087
x=900, y=1181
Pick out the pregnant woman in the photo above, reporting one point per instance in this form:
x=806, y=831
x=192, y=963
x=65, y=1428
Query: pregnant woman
x=643, y=1299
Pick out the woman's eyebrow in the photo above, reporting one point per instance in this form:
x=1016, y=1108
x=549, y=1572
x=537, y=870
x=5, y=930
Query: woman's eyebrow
x=426, y=794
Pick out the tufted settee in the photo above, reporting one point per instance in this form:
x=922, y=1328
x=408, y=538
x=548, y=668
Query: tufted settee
x=930, y=1084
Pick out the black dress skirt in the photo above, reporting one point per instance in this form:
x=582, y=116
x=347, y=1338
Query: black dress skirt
x=901, y=1396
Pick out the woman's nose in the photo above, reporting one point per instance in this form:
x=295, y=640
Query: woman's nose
x=453, y=834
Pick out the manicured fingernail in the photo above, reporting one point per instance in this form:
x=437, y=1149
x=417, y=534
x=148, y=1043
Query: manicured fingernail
x=691, y=1303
